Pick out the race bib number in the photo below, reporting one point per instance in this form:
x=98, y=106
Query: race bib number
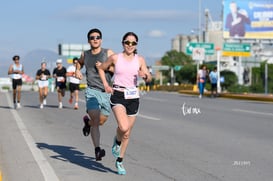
x=131, y=93
x=43, y=77
x=60, y=79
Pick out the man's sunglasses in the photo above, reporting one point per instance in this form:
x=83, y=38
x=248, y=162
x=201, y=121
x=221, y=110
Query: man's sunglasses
x=130, y=43
x=94, y=38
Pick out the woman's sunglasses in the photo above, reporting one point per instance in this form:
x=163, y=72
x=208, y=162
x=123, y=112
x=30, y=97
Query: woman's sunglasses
x=130, y=43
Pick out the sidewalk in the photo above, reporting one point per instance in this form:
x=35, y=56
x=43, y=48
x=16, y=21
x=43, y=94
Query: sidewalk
x=246, y=96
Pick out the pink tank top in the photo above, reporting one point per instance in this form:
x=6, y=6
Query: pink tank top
x=126, y=72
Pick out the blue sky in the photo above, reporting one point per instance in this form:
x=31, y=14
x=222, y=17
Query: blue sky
x=27, y=25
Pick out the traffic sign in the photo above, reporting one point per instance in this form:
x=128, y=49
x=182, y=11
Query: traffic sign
x=198, y=54
x=209, y=47
x=236, y=49
x=177, y=67
x=160, y=67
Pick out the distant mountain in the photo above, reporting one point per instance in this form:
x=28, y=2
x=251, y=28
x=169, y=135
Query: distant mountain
x=4, y=65
x=32, y=61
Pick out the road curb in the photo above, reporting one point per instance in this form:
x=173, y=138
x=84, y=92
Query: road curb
x=253, y=97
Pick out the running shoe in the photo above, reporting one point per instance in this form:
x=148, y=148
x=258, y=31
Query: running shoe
x=60, y=105
x=76, y=106
x=115, y=148
x=44, y=102
x=100, y=154
x=86, y=128
x=18, y=105
x=120, y=167
x=41, y=106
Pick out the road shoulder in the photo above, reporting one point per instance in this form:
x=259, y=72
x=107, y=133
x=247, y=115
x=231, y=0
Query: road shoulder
x=14, y=166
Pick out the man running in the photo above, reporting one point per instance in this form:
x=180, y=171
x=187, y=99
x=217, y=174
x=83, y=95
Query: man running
x=97, y=95
x=59, y=73
x=73, y=83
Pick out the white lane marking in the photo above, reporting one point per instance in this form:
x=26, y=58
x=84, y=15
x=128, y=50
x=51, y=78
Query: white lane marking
x=253, y=112
x=148, y=117
x=46, y=169
x=154, y=99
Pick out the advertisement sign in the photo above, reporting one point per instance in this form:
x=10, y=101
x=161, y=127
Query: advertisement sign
x=236, y=49
x=248, y=19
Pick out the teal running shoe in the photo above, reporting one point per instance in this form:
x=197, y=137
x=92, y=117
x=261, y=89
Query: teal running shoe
x=120, y=167
x=115, y=148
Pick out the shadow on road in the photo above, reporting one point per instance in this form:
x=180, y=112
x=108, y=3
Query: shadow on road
x=70, y=154
x=47, y=106
x=6, y=107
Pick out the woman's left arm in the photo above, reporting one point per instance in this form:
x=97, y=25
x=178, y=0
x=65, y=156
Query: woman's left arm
x=143, y=70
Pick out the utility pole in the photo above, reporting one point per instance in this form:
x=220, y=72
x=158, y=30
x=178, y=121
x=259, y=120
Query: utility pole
x=218, y=49
x=199, y=22
x=266, y=77
x=199, y=33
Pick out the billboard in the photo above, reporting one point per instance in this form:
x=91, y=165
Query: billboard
x=248, y=19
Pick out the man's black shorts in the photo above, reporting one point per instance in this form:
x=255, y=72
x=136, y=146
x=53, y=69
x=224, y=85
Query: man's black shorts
x=61, y=85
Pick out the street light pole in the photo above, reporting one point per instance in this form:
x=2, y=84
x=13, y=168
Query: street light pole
x=266, y=78
x=199, y=32
x=218, y=70
x=199, y=22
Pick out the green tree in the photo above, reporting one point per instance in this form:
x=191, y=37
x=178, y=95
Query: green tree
x=174, y=58
x=230, y=79
x=256, y=80
x=269, y=76
x=187, y=74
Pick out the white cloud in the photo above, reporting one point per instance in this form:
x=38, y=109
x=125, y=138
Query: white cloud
x=100, y=13
x=156, y=34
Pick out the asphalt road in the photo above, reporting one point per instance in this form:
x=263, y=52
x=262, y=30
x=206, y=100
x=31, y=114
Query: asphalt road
x=176, y=137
